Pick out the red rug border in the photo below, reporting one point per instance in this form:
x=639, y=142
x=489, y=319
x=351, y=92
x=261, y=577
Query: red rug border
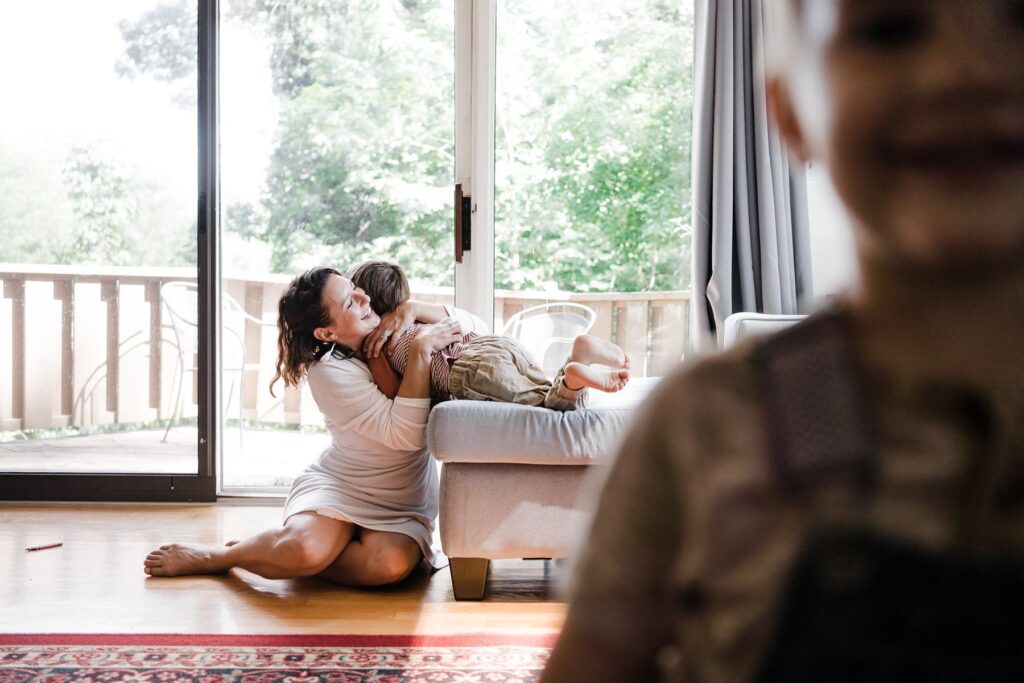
x=280, y=640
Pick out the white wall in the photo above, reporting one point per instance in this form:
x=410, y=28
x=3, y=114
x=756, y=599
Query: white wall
x=833, y=257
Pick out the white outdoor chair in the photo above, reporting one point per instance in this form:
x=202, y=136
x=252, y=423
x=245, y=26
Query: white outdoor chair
x=547, y=331
x=181, y=300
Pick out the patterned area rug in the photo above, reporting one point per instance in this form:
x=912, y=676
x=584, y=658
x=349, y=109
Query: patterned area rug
x=164, y=658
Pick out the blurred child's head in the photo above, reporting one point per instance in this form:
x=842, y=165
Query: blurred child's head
x=384, y=282
x=917, y=109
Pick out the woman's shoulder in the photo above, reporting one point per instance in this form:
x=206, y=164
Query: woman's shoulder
x=333, y=369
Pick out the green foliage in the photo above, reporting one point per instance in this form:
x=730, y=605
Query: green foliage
x=591, y=143
x=105, y=206
x=162, y=43
x=593, y=180
x=364, y=156
x=35, y=214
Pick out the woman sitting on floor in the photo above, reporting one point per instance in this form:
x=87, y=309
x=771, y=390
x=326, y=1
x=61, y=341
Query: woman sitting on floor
x=362, y=514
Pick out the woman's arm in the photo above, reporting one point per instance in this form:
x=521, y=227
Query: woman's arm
x=416, y=380
x=408, y=312
x=347, y=396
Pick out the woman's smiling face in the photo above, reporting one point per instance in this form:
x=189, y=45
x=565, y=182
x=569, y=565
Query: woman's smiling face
x=917, y=108
x=348, y=308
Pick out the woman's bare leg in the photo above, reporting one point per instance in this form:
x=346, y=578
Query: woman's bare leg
x=376, y=558
x=304, y=546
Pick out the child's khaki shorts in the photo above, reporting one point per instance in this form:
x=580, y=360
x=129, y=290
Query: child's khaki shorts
x=498, y=369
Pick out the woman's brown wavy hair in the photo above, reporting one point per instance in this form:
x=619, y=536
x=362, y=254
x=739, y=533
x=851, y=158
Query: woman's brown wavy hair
x=299, y=312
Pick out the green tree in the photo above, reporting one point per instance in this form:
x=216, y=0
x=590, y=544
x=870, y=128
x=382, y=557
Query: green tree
x=104, y=204
x=598, y=162
x=35, y=214
x=596, y=158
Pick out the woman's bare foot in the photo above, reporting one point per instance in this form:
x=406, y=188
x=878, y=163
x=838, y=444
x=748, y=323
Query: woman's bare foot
x=578, y=375
x=589, y=350
x=179, y=560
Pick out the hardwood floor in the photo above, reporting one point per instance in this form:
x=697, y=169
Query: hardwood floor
x=95, y=582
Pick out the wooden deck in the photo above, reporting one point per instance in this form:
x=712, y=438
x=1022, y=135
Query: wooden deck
x=258, y=458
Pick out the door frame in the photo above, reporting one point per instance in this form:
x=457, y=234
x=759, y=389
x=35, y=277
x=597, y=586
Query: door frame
x=474, y=150
x=202, y=486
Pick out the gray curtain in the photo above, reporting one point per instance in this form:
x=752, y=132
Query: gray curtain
x=751, y=244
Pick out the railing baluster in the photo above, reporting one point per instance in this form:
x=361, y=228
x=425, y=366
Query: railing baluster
x=14, y=289
x=668, y=330
x=64, y=291
x=631, y=334
x=155, y=347
x=110, y=295
x=253, y=340
x=602, y=328
x=651, y=326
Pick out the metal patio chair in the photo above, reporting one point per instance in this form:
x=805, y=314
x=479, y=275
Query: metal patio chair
x=180, y=299
x=548, y=330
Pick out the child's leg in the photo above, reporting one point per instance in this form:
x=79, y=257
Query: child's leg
x=577, y=376
x=589, y=350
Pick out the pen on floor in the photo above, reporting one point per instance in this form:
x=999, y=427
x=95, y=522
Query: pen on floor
x=43, y=547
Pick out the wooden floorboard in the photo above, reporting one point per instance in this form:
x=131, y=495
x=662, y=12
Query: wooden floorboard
x=95, y=582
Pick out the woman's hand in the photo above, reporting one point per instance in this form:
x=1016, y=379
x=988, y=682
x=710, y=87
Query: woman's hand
x=391, y=327
x=430, y=338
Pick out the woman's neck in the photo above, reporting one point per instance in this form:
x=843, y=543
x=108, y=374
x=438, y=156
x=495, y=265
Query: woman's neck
x=965, y=326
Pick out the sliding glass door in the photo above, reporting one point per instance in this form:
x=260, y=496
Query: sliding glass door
x=137, y=334
x=98, y=178
x=337, y=146
x=592, y=168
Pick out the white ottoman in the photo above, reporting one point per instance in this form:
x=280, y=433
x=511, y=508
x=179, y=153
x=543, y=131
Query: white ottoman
x=512, y=475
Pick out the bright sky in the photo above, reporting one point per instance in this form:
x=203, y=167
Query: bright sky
x=60, y=89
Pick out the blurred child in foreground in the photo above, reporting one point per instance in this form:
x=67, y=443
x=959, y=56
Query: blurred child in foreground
x=917, y=109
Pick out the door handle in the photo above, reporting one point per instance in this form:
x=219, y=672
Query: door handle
x=463, y=223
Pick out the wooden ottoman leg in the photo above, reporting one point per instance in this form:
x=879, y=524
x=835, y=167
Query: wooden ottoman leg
x=469, y=577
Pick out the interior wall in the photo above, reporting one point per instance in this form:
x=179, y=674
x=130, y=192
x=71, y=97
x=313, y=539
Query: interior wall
x=833, y=256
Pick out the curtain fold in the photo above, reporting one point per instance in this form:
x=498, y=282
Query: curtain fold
x=751, y=242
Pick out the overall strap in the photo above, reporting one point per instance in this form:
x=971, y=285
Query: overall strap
x=820, y=426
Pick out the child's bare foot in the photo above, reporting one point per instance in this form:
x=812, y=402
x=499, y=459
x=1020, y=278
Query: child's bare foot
x=179, y=560
x=578, y=375
x=589, y=350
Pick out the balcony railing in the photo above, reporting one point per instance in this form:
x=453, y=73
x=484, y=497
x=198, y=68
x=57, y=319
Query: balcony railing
x=86, y=346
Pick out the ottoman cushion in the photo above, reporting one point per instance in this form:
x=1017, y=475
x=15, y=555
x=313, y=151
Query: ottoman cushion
x=488, y=432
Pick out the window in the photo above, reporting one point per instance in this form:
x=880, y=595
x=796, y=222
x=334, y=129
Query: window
x=332, y=132
x=97, y=212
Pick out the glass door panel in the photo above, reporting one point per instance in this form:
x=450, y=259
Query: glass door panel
x=592, y=168
x=97, y=218
x=337, y=146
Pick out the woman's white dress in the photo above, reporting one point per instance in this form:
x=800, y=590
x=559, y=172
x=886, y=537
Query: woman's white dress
x=376, y=473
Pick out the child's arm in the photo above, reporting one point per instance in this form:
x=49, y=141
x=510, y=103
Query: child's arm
x=393, y=324
x=386, y=379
